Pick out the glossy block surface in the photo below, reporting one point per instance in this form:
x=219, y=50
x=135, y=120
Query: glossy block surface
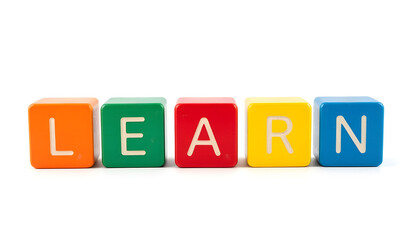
x=206, y=132
x=63, y=132
x=278, y=132
x=133, y=132
x=348, y=131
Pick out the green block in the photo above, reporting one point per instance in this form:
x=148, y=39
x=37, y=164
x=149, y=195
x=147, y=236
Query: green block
x=133, y=132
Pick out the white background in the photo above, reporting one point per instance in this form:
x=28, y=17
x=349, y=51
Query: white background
x=229, y=48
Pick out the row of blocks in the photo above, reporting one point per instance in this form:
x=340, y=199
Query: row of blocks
x=63, y=132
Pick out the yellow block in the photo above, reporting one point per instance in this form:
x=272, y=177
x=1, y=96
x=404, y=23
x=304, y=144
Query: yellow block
x=279, y=132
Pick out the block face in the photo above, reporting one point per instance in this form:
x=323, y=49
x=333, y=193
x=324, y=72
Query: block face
x=278, y=132
x=198, y=120
x=133, y=132
x=63, y=132
x=362, y=117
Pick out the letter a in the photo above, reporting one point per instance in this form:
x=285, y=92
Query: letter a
x=281, y=135
x=53, y=148
x=360, y=145
x=203, y=121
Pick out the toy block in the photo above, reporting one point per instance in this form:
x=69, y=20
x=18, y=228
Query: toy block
x=278, y=132
x=133, y=132
x=206, y=132
x=348, y=131
x=63, y=132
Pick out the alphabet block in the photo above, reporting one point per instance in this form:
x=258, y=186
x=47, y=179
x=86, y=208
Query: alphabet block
x=279, y=132
x=206, y=132
x=348, y=131
x=63, y=132
x=133, y=132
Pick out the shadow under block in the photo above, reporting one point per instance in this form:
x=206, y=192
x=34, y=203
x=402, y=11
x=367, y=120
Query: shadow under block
x=133, y=132
x=278, y=132
x=206, y=132
x=348, y=131
x=63, y=132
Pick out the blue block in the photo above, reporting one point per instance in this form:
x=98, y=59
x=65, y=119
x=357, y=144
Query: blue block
x=355, y=118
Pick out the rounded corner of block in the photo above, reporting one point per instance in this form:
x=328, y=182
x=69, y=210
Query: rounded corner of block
x=161, y=106
x=180, y=100
x=90, y=107
x=164, y=101
x=250, y=106
x=306, y=164
x=105, y=164
x=35, y=165
x=32, y=107
x=377, y=164
x=251, y=163
x=179, y=163
x=233, y=164
x=160, y=162
x=380, y=105
x=104, y=107
x=322, y=163
x=307, y=105
x=95, y=101
x=321, y=105
x=90, y=164
x=234, y=107
x=178, y=106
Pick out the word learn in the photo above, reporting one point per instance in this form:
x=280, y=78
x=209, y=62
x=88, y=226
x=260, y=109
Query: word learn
x=64, y=132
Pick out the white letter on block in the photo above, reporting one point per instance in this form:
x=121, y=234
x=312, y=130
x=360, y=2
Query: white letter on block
x=281, y=135
x=53, y=148
x=360, y=145
x=125, y=135
x=203, y=121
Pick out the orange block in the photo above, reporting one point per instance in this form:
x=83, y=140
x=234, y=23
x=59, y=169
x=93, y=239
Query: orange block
x=63, y=132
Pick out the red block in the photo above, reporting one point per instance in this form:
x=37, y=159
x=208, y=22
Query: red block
x=206, y=132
